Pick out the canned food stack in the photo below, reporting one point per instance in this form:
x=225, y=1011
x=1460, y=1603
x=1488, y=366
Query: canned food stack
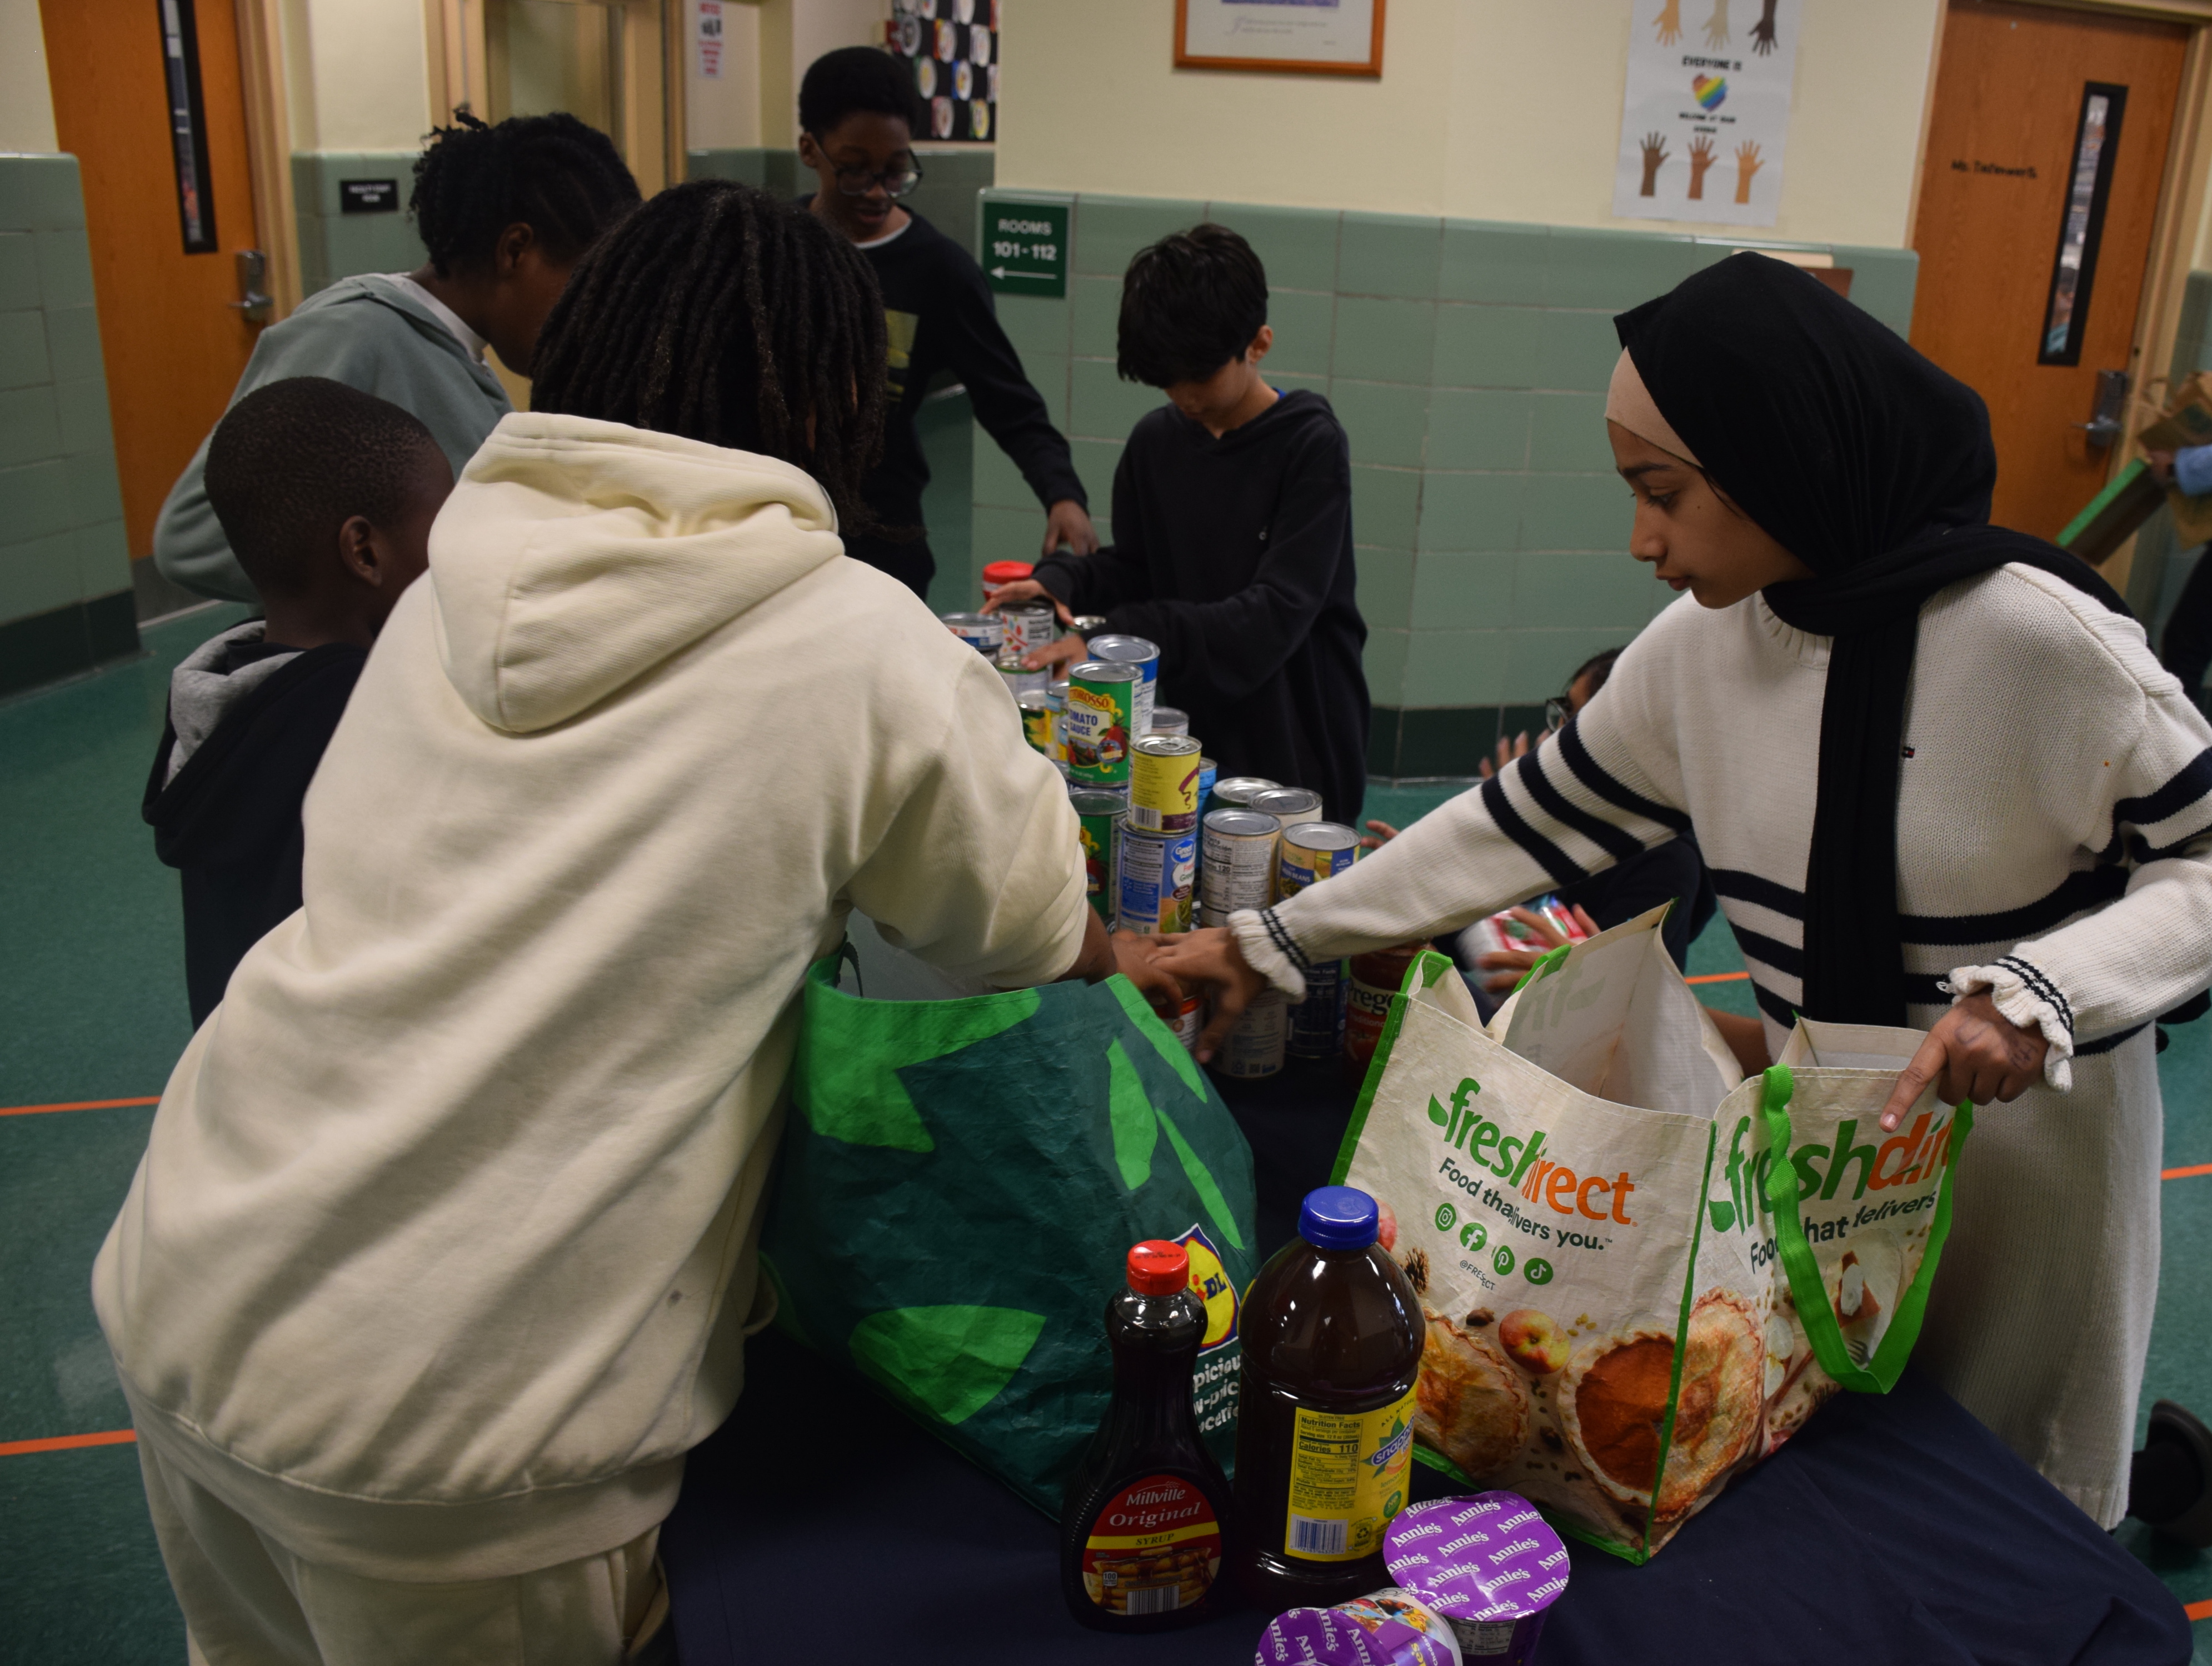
x=1312, y=851
x=986, y=633
x=1144, y=656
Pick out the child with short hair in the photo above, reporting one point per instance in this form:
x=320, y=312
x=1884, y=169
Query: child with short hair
x=326, y=495
x=1232, y=531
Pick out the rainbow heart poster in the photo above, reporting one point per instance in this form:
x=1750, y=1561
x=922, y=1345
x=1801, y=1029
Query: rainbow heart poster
x=1704, y=123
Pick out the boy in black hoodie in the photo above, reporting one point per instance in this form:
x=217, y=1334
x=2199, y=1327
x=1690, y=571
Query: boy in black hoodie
x=1233, y=532
x=326, y=495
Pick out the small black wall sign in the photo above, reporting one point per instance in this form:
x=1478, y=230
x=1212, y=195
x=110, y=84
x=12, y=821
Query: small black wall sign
x=368, y=195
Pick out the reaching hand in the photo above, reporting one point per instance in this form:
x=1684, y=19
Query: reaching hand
x=1669, y=23
x=1068, y=523
x=1747, y=164
x=1509, y=967
x=1136, y=958
x=1021, y=590
x=1508, y=752
x=1380, y=833
x=1701, y=160
x=1654, y=153
x=1975, y=1053
x=1057, y=655
x=1210, y=956
x=1716, y=28
x=1762, y=32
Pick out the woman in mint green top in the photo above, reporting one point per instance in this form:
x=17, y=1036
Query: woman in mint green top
x=505, y=213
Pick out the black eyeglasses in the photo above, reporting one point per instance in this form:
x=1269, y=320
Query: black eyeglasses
x=1556, y=713
x=897, y=181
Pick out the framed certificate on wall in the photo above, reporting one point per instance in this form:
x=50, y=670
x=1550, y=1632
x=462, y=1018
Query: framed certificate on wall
x=1319, y=37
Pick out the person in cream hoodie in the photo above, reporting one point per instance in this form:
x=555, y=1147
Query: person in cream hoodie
x=441, y=1254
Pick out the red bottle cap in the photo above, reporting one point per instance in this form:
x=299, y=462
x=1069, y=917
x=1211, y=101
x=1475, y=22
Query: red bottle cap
x=996, y=573
x=1158, y=1268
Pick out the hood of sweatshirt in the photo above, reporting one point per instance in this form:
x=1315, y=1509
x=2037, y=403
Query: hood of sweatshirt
x=380, y=289
x=574, y=556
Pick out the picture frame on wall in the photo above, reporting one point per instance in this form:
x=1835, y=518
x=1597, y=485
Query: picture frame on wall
x=1308, y=37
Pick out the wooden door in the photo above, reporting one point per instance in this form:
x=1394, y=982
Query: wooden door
x=174, y=343
x=2029, y=286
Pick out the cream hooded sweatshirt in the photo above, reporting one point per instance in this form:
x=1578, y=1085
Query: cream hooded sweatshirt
x=440, y=1254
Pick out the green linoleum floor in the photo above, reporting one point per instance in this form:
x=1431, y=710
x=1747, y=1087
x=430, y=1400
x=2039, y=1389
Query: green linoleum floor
x=93, y=987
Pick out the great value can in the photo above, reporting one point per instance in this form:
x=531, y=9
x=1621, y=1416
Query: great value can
x=1238, y=868
x=1030, y=626
x=1236, y=792
x=1317, y=1023
x=1163, y=784
x=1146, y=656
x=1254, y=1045
x=1166, y=720
x=1018, y=678
x=1096, y=727
x=1057, y=693
x=1156, y=882
x=1288, y=805
x=1312, y=851
x=986, y=633
x=1036, y=719
x=1099, y=815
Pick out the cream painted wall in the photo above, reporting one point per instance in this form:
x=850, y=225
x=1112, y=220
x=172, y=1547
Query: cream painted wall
x=792, y=34
x=725, y=113
x=1486, y=109
x=27, y=107
x=357, y=74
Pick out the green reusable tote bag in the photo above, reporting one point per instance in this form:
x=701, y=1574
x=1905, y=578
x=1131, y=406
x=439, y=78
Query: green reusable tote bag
x=959, y=1184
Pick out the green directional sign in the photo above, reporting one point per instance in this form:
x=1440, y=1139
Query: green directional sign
x=1025, y=247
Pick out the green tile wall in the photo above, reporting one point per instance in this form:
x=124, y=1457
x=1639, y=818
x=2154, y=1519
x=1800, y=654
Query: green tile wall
x=945, y=197
x=1468, y=362
x=65, y=593
x=333, y=245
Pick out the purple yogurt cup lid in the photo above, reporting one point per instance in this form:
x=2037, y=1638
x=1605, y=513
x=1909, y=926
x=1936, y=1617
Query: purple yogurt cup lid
x=1488, y=1557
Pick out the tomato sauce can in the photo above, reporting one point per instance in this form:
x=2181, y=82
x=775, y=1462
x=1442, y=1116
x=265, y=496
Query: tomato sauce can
x=1146, y=656
x=1097, y=725
x=1100, y=817
x=986, y=633
x=1311, y=851
x=1238, y=869
x=1163, y=784
x=1255, y=1042
x=1156, y=871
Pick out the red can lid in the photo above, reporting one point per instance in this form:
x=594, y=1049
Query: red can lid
x=1158, y=1268
x=1004, y=572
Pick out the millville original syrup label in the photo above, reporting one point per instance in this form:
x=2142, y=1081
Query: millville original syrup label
x=1154, y=1547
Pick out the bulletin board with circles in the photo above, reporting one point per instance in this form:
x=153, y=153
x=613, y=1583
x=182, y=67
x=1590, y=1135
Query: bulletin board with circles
x=953, y=45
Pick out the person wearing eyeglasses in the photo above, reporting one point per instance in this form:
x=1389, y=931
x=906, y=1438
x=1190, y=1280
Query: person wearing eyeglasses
x=857, y=112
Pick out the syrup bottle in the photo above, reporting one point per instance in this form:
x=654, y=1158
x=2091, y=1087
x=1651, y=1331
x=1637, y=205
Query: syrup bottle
x=1333, y=1333
x=1142, y=1534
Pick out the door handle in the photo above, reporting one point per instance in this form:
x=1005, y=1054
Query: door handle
x=252, y=271
x=2110, y=416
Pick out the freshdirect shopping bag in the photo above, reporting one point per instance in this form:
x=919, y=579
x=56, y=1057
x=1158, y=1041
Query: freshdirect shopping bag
x=1641, y=1273
x=960, y=1181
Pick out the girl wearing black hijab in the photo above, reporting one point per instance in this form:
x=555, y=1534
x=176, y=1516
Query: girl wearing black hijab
x=1940, y=779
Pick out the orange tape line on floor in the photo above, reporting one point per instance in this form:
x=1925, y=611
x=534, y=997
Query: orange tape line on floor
x=81, y=1105
x=1717, y=978
x=2199, y=1610
x=2184, y=1173
x=62, y=1443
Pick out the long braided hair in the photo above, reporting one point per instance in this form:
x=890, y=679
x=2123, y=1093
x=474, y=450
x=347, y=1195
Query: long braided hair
x=719, y=313
x=563, y=179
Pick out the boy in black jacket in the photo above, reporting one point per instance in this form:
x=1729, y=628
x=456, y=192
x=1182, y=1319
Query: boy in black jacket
x=859, y=112
x=1233, y=532
x=326, y=495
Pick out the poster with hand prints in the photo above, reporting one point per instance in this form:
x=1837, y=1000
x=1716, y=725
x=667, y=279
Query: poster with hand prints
x=1705, y=120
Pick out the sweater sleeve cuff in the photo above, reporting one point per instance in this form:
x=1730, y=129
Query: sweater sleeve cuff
x=1270, y=950
x=2024, y=993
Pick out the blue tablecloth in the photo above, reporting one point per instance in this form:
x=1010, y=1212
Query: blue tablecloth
x=820, y=1523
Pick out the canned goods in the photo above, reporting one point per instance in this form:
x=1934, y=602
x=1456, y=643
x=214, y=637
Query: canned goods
x=1085, y=624
x=1166, y=720
x=1163, y=784
x=1288, y=805
x=1190, y=1021
x=1238, y=870
x=1311, y=851
x=1018, y=678
x=1374, y=979
x=1030, y=626
x=1254, y=1046
x=1036, y=719
x=1156, y=882
x=1146, y=656
x=997, y=575
x=1056, y=693
x=1207, y=770
x=1099, y=816
x=1236, y=792
x=1317, y=1023
x=986, y=633
x=1096, y=727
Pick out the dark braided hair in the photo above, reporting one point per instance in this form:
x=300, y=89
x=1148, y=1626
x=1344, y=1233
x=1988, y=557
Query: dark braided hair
x=720, y=313
x=564, y=180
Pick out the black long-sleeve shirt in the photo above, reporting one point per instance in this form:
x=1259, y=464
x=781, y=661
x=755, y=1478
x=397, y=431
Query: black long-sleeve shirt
x=1235, y=555
x=939, y=316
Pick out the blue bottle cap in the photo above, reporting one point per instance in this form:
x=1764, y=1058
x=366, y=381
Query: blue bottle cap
x=1338, y=1218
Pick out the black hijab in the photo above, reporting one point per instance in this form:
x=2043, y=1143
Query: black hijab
x=1874, y=469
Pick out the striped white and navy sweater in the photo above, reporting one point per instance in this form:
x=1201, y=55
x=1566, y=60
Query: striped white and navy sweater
x=2054, y=815
x=2054, y=846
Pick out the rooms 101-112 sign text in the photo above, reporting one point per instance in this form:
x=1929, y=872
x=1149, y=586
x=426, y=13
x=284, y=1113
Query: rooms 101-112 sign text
x=1025, y=247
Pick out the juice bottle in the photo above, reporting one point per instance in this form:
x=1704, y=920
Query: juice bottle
x=1333, y=1333
x=1141, y=1533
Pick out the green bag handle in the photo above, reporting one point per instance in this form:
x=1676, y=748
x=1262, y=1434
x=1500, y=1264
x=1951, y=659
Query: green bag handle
x=1880, y=1374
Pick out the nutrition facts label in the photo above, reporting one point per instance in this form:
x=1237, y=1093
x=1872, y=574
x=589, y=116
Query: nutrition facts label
x=1347, y=1479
